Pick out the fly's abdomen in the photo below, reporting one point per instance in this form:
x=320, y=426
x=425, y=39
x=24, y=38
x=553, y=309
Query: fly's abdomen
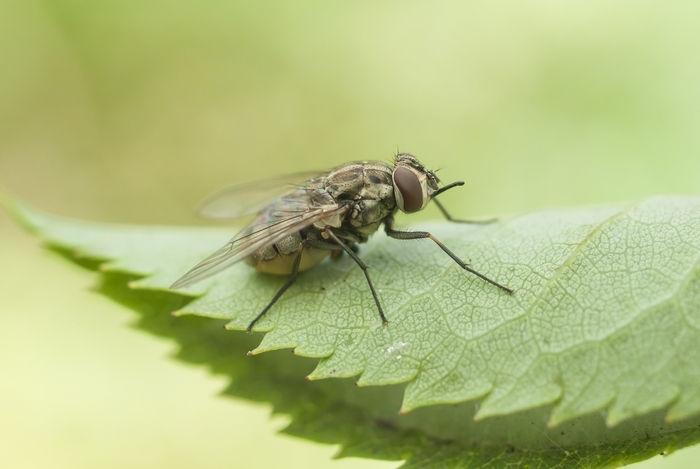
x=279, y=258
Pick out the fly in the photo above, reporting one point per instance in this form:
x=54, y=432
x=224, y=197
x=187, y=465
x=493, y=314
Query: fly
x=329, y=213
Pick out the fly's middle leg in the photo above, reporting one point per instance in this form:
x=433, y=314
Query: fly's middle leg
x=292, y=278
x=314, y=244
x=351, y=252
x=396, y=234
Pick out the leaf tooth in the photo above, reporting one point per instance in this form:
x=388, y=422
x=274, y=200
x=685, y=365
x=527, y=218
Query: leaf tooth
x=392, y=374
x=233, y=325
x=255, y=351
x=686, y=405
x=336, y=366
x=274, y=340
x=621, y=410
x=314, y=350
x=537, y=386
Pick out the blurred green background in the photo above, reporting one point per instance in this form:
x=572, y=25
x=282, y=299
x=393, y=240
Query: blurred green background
x=132, y=111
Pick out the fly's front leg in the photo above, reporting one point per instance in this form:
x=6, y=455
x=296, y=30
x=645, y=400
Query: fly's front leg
x=447, y=215
x=338, y=242
x=390, y=231
x=292, y=278
x=455, y=220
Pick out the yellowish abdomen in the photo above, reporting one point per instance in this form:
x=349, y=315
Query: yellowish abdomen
x=282, y=263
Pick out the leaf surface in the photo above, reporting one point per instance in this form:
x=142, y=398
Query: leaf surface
x=605, y=317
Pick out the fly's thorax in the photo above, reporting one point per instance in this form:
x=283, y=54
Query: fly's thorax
x=365, y=229
x=322, y=200
x=377, y=182
x=376, y=200
x=368, y=189
x=346, y=181
x=368, y=214
x=358, y=180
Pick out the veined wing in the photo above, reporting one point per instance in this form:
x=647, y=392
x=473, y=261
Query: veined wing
x=251, y=197
x=285, y=216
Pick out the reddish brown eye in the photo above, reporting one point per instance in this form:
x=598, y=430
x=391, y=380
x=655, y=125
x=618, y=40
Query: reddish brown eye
x=411, y=191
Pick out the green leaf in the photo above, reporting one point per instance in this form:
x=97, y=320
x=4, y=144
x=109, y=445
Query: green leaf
x=605, y=317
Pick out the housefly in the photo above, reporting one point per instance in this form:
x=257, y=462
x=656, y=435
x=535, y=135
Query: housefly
x=297, y=227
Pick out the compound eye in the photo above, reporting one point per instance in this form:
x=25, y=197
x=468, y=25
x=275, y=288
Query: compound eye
x=411, y=191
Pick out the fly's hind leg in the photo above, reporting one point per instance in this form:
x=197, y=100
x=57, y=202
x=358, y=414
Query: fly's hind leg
x=292, y=278
x=396, y=234
x=352, y=253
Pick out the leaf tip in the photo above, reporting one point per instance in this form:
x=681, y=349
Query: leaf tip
x=316, y=375
x=408, y=405
x=479, y=415
x=557, y=418
x=255, y=351
x=23, y=213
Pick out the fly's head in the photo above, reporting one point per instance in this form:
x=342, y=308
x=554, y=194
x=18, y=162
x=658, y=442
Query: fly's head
x=414, y=184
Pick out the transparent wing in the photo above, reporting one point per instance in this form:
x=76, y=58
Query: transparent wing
x=285, y=216
x=243, y=199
